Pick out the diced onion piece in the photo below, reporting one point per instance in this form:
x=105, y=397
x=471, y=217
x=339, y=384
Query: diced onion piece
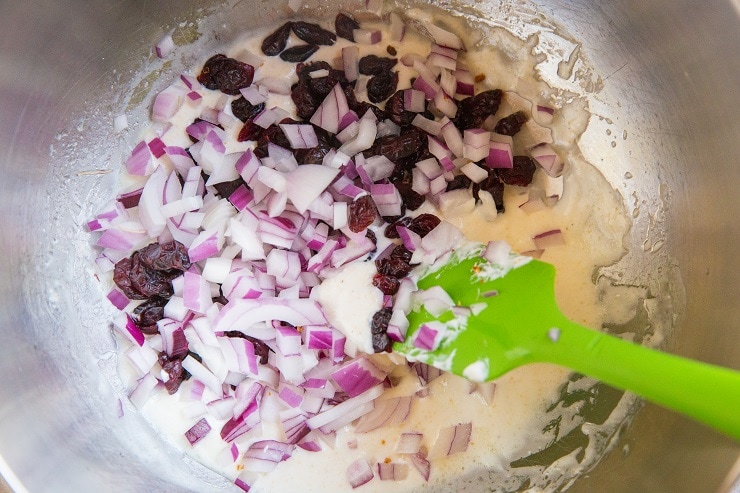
x=165, y=46
x=359, y=472
x=197, y=431
x=474, y=172
x=358, y=376
x=443, y=37
x=497, y=252
x=421, y=464
x=300, y=136
x=397, y=27
x=452, y=440
x=548, y=239
x=548, y=159
x=500, y=155
x=409, y=443
x=393, y=471
x=367, y=36
x=350, y=62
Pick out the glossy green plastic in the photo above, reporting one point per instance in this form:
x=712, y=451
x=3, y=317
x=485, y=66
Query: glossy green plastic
x=522, y=324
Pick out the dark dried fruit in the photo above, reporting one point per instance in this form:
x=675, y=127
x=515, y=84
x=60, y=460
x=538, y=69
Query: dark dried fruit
x=150, y=312
x=522, y=172
x=299, y=53
x=313, y=33
x=345, y=25
x=401, y=252
x=150, y=282
x=392, y=232
x=149, y=272
x=362, y=212
x=396, y=148
x=494, y=186
x=382, y=86
x=275, y=42
x=260, y=348
x=396, y=111
x=411, y=199
x=379, y=330
x=165, y=256
x=386, y=284
x=394, y=267
x=272, y=134
x=244, y=110
x=226, y=188
x=459, y=182
x=510, y=125
x=305, y=102
x=175, y=372
x=250, y=131
x=391, y=51
x=473, y=111
x=226, y=74
x=424, y=223
x=374, y=65
x=370, y=235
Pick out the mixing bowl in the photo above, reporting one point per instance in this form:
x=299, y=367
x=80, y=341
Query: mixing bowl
x=661, y=78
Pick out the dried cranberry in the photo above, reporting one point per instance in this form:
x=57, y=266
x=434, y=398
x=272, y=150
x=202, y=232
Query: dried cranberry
x=220, y=299
x=345, y=25
x=272, y=134
x=150, y=282
x=226, y=74
x=370, y=235
x=382, y=86
x=510, y=125
x=473, y=111
x=386, y=284
x=459, y=182
x=411, y=199
x=250, y=131
x=150, y=312
x=494, y=186
x=226, y=188
x=522, y=172
x=305, y=102
x=374, y=65
x=149, y=330
x=391, y=50
x=396, y=148
x=175, y=372
x=275, y=42
x=121, y=276
x=396, y=111
x=392, y=232
x=260, y=348
x=299, y=53
x=379, y=330
x=244, y=110
x=394, y=267
x=401, y=252
x=313, y=33
x=424, y=223
x=362, y=212
x=165, y=256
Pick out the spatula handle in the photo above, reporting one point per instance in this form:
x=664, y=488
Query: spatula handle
x=708, y=393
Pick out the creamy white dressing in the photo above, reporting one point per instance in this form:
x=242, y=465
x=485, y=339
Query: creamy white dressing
x=593, y=221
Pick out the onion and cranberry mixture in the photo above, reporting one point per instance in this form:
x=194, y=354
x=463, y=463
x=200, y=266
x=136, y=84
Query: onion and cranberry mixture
x=277, y=185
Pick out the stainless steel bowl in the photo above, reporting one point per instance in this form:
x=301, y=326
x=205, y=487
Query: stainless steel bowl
x=665, y=73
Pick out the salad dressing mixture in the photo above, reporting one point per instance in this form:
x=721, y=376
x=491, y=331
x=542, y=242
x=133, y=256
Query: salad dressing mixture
x=581, y=214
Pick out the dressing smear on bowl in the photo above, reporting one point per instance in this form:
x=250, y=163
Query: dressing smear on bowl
x=268, y=207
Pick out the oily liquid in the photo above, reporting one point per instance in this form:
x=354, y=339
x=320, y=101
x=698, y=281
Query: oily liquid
x=593, y=221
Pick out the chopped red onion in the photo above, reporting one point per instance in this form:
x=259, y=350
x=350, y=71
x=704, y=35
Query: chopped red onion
x=452, y=440
x=117, y=299
x=452, y=138
x=350, y=61
x=392, y=471
x=429, y=126
x=397, y=27
x=548, y=159
x=474, y=172
x=497, y=252
x=255, y=94
x=367, y=36
x=346, y=408
x=166, y=103
x=426, y=81
x=428, y=337
x=141, y=162
x=465, y=82
x=144, y=389
x=445, y=104
x=500, y=155
x=443, y=37
x=387, y=412
x=421, y=464
x=300, y=136
x=544, y=115
x=264, y=455
x=548, y=239
x=387, y=199
x=359, y=472
x=331, y=111
x=409, y=443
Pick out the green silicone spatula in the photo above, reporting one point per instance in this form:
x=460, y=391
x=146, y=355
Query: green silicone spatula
x=506, y=316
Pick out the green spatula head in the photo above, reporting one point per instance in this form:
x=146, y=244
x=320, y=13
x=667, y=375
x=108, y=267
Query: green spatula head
x=504, y=315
